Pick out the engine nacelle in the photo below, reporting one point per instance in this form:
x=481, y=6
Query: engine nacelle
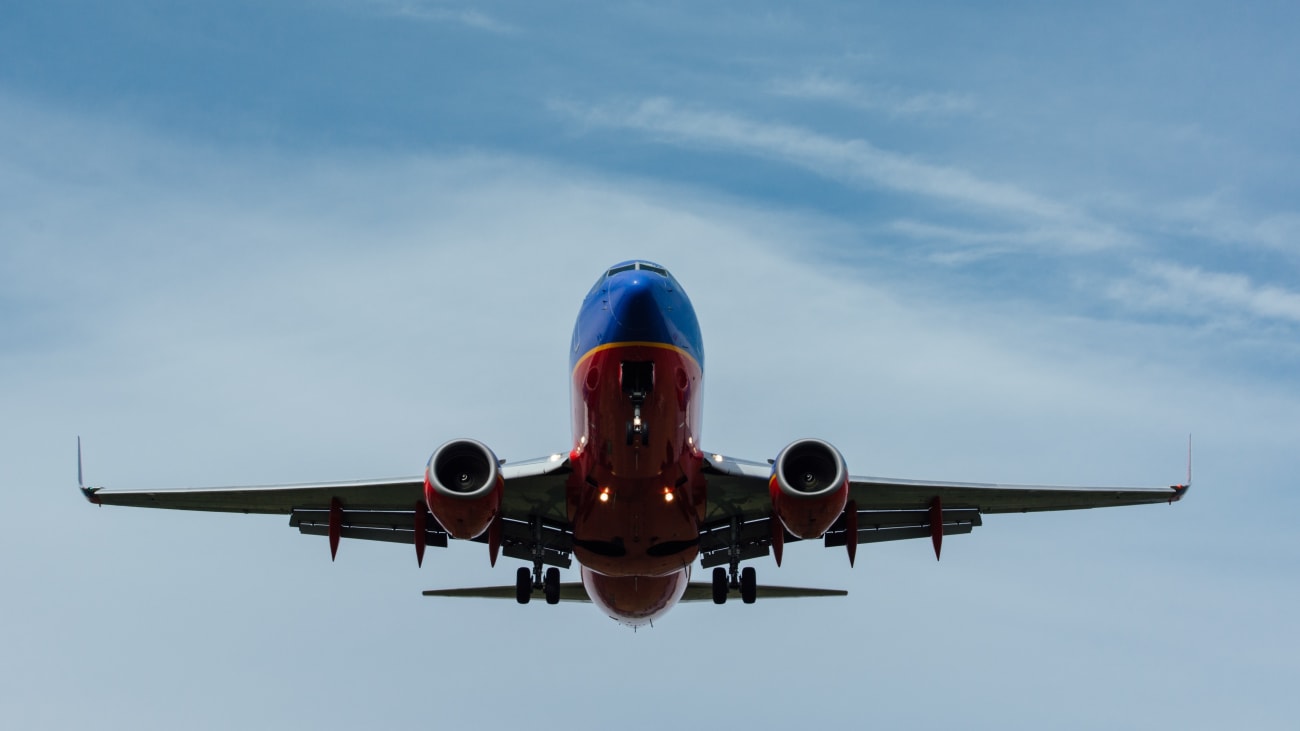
x=463, y=486
x=809, y=487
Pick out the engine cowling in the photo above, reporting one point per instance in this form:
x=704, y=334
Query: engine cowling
x=463, y=486
x=809, y=487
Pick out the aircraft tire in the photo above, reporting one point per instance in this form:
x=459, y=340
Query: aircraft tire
x=748, y=585
x=552, y=585
x=523, y=585
x=719, y=585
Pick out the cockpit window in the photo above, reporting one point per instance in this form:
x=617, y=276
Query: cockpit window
x=643, y=266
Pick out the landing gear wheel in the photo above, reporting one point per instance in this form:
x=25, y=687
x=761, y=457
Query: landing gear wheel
x=523, y=585
x=748, y=585
x=719, y=585
x=552, y=586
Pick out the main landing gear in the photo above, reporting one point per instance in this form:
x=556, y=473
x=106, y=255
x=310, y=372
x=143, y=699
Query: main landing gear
x=746, y=582
x=726, y=581
x=526, y=582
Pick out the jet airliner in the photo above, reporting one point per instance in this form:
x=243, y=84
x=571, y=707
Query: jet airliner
x=635, y=500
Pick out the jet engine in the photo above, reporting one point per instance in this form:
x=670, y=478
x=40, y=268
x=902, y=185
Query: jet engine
x=809, y=487
x=463, y=486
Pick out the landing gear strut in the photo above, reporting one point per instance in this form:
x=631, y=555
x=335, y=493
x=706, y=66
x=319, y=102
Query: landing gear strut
x=727, y=580
x=637, y=378
x=527, y=582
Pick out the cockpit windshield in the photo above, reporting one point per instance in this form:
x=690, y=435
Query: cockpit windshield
x=644, y=266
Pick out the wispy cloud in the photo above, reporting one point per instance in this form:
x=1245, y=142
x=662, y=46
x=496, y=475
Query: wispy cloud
x=976, y=243
x=1215, y=218
x=823, y=88
x=436, y=12
x=1172, y=287
x=854, y=161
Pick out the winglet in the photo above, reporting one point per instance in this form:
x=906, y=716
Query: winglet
x=88, y=492
x=1180, y=490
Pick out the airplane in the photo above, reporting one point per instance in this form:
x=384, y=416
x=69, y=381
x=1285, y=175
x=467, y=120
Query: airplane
x=636, y=501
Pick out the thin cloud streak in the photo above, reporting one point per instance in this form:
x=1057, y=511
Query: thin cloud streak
x=981, y=243
x=1214, y=295
x=438, y=13
x=822, y=88
x=851, y=160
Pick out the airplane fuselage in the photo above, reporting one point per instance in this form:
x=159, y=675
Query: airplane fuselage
x=636, y=496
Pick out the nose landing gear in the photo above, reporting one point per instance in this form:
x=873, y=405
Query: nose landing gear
x=637, y=379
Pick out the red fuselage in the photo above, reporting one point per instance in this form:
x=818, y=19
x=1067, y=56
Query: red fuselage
x=636, y=496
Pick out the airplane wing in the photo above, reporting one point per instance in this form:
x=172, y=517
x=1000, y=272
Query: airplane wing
x=533, y=507
x=739, y=510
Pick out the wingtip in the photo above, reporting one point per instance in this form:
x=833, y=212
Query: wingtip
x=1181, y=490
x=87, y=492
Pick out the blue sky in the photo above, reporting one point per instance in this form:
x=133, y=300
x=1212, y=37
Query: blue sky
x=268, y=242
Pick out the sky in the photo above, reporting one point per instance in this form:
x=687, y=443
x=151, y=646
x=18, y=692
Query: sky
x=267, y=242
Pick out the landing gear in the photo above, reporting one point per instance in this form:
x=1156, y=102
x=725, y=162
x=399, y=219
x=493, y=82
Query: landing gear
x=523, y=585
x=748, y=585
x=637, y=429
x=528, y=581
x=724, y=584
x=734, y=578
x=551, y=586
x=637, y=379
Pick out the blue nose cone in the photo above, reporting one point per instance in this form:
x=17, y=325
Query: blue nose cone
x=635, y=303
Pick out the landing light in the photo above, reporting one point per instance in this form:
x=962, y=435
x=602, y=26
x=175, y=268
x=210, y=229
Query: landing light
x=668, y=494
x=604, y=495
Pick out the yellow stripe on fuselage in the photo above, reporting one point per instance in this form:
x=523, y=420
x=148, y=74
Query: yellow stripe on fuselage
x=634, y=344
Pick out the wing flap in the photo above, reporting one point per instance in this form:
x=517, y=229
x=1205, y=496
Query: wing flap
x=877, y=526
x=884, y=494
x=375, y=534
x=527, y=539
x=401, y=493
x=533, y=506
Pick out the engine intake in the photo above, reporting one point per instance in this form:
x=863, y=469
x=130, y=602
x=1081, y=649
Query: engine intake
x=463, y=486
x=809, y=487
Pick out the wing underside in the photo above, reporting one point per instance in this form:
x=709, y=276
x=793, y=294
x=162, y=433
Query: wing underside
x=738, y=522
x=533, y=508
x=739, y=511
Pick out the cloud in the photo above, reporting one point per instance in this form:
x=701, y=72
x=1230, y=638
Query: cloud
x=981, y=243
x=854, y=161
x=1216, y=218
x=822, y=88
x=436, y=12
x=1171, y=287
